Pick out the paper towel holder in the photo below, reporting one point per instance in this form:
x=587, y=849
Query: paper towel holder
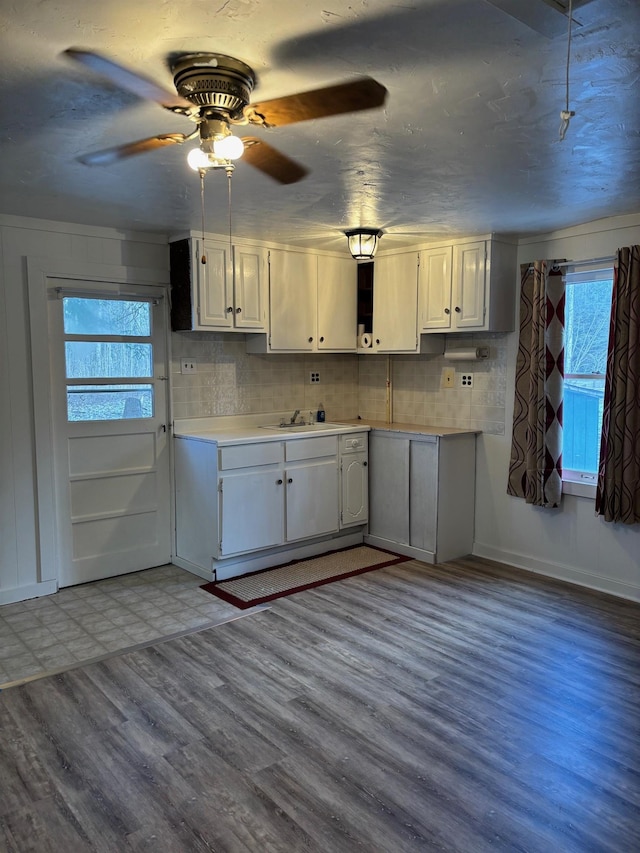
x=468, y=354
x=363, y=242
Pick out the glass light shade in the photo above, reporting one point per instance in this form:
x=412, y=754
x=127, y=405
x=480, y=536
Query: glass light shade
x=363, y=243
x=228, y=147
x=198, y=159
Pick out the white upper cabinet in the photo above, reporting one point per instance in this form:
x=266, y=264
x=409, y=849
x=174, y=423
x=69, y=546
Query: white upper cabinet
x=228, y=292
x=395, y=303
x=312, y=304
x=293, y=284
x=468, y=286
x=250, y=289
x=337, y=303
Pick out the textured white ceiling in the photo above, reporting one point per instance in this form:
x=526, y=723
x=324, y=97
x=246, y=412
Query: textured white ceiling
x=467, y=143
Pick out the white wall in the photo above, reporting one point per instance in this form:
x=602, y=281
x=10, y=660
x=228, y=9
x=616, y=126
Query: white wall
x=58, y=242
x=569, y=543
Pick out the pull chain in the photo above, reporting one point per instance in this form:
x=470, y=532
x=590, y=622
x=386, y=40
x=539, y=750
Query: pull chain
x=229, y=173
x=566, y=114
x=203, y=259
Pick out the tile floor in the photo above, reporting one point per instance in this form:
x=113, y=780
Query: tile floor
x=88, y=622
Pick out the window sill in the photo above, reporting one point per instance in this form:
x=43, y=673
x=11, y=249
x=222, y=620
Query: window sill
x=579, y=488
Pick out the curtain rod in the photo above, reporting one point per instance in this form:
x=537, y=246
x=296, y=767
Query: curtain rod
x=607, y=259
x=121, y=296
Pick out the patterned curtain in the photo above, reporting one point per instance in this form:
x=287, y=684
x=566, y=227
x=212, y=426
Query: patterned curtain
x=618, y=490
x=535, y=469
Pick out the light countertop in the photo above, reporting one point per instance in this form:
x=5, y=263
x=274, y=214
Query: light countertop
x=249, y=429
x=417, y=429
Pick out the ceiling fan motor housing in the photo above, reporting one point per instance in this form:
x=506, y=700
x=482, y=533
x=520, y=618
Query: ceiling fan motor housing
x=213, y=80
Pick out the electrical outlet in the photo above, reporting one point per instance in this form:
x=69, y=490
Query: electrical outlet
x=466, y=380
x=448, y=377
x=314, y=377
x=188, y=366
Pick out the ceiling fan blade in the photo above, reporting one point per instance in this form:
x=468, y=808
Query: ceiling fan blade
x=362, y=94
x=111, y=155
x=129, y=80
x=273, y=163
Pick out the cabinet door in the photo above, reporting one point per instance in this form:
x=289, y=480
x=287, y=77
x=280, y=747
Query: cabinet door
x=293, y=280
x=354, y=480
x=389, y=487
x=251, y=511
x=215, y=304
x=469, y=266
x=250, y=287
x=395, y=303
x=312, y=499
x=337, y=303
x=435, y=288
x=423, y=494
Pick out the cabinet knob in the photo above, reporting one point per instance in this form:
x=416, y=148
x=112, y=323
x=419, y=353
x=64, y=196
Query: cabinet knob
x=377, y=340
x=278, y=482
x=290, y=480
x=447, y=310
x=310, y=340
x=322, y=339
x=364, y=464
x=457, y=309
x=238, y=310
x=229, y=310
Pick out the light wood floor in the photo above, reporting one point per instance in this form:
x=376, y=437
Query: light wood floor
x=462, y=707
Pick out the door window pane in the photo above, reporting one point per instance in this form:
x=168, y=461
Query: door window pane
x=109, y=402
x=100, y=359
x=86, y=316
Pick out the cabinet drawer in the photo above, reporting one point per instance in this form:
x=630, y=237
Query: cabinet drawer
x=311, y=448
x=249, y=455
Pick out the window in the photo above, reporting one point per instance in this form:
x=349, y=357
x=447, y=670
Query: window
x=587, y=314
x=108, y=357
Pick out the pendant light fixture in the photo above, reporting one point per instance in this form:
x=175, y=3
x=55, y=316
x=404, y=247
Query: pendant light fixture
x=363, y=242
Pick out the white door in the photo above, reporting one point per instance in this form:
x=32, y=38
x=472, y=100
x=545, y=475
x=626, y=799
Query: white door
x=435, y=288
x=251, y=511
x=312, y=499
x=395, y=303
x=293, y=280
x=469, y=267
x=337, y=303
x=109, y=406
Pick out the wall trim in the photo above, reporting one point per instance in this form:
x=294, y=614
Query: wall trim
x=597, y=226
x=558, y=571
x=8, y=220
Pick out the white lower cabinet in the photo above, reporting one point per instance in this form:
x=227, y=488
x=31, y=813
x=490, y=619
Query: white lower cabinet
x=247, y=498
x=354, y=480
x=422, y=494
x=251, y=511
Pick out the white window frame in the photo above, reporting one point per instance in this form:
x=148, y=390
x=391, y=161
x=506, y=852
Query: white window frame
x=583, y=483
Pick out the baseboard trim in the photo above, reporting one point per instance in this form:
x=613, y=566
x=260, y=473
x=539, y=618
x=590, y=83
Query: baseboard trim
x=32, y=590
x=558, y=571
x=399, y=548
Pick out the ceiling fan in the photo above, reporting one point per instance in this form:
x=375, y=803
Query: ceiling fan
x=214, y=91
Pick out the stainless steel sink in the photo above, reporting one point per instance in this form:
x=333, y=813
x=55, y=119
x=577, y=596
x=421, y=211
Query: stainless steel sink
x=302, y=427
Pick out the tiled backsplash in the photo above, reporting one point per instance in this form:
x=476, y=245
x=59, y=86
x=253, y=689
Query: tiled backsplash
x=230, y=381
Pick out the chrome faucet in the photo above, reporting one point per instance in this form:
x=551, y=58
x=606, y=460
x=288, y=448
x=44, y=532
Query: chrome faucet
x=294, y=416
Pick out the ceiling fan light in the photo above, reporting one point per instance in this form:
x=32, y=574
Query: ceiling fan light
x=363, y=242
x=198, y=159
x=228, y=147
